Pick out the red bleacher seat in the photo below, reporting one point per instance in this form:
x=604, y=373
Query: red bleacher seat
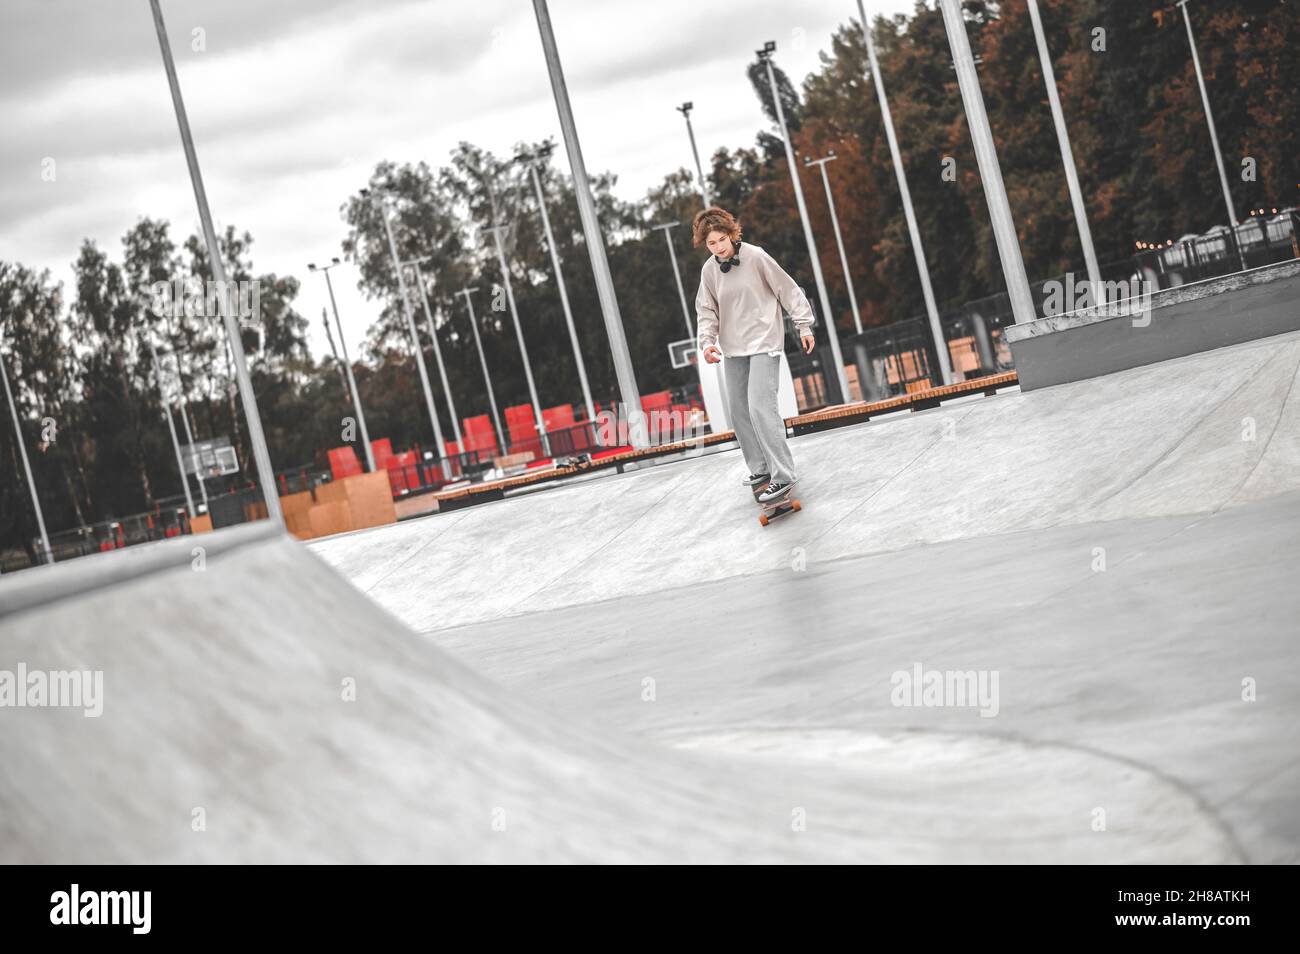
x=557, y=417
x=521, y=426
x=479, y=435
x=401, y=472
x=343, y=462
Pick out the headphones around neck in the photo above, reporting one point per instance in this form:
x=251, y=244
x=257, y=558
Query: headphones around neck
x=725, y=264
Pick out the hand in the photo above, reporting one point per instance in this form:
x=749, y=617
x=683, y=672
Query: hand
x=712, y=355
x=807, y=341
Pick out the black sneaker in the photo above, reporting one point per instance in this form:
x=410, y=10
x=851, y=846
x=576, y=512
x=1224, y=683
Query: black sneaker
x=753, y=480
x=774, y=491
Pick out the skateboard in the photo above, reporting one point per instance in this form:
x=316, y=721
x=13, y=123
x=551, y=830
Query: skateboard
x=775, y=508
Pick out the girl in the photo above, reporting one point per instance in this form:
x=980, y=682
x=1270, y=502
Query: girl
x=738, y=320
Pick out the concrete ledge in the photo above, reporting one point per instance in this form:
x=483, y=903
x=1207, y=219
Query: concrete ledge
x=1188, y=319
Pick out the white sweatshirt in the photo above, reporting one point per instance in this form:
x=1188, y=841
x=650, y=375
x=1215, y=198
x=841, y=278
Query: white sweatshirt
x=740, y=310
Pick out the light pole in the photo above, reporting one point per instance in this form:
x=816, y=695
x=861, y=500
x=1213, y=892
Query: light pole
x=482, y=360
x=496, y=229
x=185, y=410
x=171, y=424
x=685, y=110
x=559, y=275
x=1067, y=156
x=410, y=321
x=986, y=155
x=519, y=334
x=623, y=369
x=913, y=231
x=677, y=275
x=47, y=554
x=265, y=475
x=835, y=224
x=1214, y=133
x=841, y=381
x=437, y=348
x=189, y=437
x=338, y=362
x=347, y=362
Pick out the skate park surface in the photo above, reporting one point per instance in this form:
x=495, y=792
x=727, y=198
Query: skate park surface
x=632, y=669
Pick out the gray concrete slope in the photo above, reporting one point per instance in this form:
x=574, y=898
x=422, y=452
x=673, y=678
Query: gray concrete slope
x=1144, y=658
x=225, y=737
x=1186, y=436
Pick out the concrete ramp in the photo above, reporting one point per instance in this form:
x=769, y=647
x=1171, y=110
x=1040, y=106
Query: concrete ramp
x=225, y=736
x=1187, y=436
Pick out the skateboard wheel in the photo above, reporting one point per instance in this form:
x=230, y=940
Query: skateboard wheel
x=762, y=518
x=795, y=506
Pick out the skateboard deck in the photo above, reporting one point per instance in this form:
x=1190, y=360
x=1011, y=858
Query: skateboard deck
x=775, y=508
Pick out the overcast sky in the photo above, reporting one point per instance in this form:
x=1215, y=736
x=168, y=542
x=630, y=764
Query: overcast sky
x=293, y=102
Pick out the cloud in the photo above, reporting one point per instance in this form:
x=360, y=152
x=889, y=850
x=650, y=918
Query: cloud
x=294, y=101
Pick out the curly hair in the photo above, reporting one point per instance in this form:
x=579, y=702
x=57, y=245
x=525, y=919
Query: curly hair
x=713, y=219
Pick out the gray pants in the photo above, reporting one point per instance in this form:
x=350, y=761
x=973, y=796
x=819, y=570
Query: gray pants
x=750, y=384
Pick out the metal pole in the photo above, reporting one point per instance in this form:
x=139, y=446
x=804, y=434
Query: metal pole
x=913, y=231
x=189, y=436
x=482, y=360
x=677, y=276
x=623, y=369
x=171, y=424
x=265, y=475
x=47, y=553
x=841, y=380
x=519, y=334
x=437, y=351
x=685, y=110
x=185, y=411
x=1067, y=156
x=1209, y=116
x=410, y=328
x=564, y=294
x=839, y=239
x=338, y=362
x=347, y=367
x=539, y=422
x=986, y=155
